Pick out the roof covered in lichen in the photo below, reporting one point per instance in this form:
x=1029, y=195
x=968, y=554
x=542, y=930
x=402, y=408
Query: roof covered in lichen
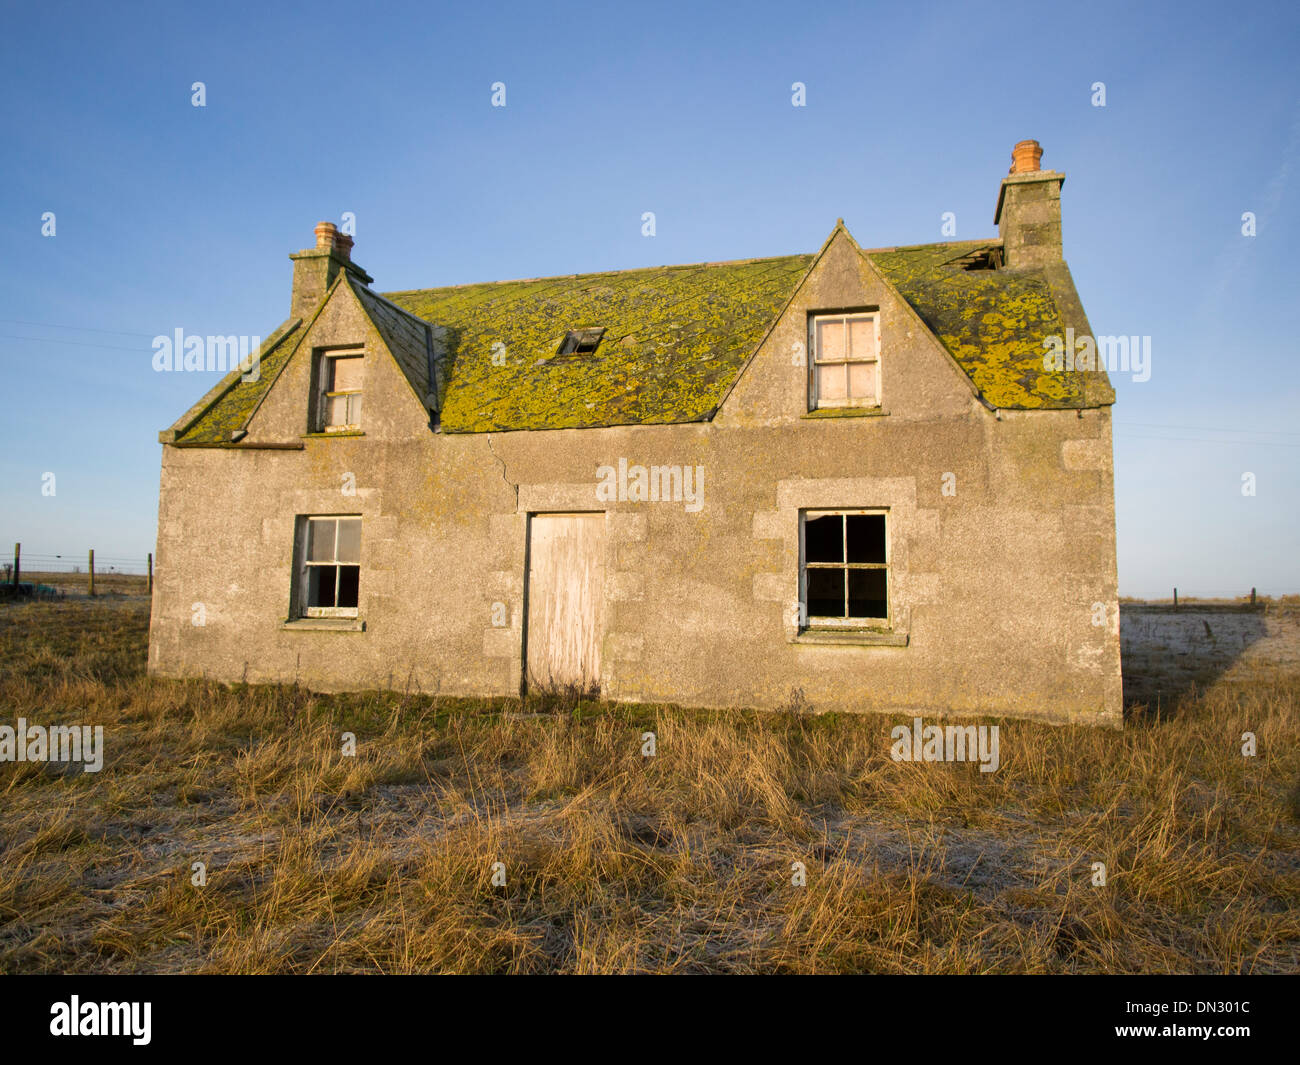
x=675, y=337
x=674, y=340
x=231, y=404
x=993, y=322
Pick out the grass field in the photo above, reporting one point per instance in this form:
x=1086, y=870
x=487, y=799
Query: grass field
x=68, y=583
x=615, y=862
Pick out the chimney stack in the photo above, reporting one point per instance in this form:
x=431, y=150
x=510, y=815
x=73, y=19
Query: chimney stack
x=1028, y=215
x=314, y=269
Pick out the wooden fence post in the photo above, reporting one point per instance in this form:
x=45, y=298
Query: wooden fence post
x=18, y=550
x=92, y=571
x=151, y=573
x=1175, y=598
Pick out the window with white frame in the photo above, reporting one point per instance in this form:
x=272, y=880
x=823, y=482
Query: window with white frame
x=339, y=402
x=845, y=368
x=844, y=572
x=330, y=570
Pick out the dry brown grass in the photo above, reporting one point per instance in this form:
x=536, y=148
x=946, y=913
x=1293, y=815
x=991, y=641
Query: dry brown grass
x=614, y=862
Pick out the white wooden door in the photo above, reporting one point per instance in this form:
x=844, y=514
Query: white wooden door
x=566, y=579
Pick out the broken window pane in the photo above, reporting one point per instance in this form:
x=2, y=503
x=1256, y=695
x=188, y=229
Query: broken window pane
x=332, y=565
x=581, y=341
x=867, y=595
x=826, y=593
x=321, y=582
x=823, y=538
x=866, y=537
x=845, y=578
x=349, y=580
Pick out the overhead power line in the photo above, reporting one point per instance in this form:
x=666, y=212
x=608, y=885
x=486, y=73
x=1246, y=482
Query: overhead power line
x=78, y=328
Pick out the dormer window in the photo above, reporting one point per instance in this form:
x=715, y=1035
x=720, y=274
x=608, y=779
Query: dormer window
x=845, y=368
x=340, y=396
x=580, y=341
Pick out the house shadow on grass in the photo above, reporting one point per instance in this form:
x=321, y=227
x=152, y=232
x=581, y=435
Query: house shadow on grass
x=1166, y=653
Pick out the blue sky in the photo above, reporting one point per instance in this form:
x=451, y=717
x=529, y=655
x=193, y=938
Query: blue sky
x=173, y=216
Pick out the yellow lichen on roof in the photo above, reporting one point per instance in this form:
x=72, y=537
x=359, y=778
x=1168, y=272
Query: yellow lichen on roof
x=994, y=322
x=675, y=337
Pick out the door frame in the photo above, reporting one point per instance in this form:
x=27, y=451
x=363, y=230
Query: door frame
x=528, y=585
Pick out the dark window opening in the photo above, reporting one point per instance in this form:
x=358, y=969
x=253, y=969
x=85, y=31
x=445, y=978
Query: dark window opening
x=581, y=341
x=826, y=593
x=867, y=595
x=865, y=537
x=824, y=538
x=846, y=575
x=984, y=259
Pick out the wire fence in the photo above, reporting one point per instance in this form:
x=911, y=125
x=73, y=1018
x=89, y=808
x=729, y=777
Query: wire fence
x=36, y=563
x=34, y=572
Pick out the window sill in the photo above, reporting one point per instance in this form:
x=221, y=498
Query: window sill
x=325, y=624
x=851, y=637
x=333, y=433
x=847, y=412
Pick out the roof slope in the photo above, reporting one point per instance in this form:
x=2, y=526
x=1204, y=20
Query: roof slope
x=232, y=403
x=408, y=338
x=993, y=322
x=675, y=338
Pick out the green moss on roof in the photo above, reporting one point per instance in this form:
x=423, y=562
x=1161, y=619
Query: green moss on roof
x=675, y=338
x=992, y=321
x=235, y=405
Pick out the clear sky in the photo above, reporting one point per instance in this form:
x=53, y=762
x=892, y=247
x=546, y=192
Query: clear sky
x=173, y=216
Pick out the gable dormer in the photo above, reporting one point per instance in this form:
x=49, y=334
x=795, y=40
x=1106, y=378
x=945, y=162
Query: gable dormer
x=343, y=344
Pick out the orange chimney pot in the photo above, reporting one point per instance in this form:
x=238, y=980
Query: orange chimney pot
x=1026, y=157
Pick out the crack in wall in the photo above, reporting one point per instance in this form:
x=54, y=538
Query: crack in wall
x=502, y=463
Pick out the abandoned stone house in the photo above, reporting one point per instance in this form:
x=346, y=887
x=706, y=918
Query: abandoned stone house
x=848, y=475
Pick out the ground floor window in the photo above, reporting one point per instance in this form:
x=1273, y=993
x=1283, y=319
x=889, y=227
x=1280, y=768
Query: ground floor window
x=330, y=572
x=844, y=568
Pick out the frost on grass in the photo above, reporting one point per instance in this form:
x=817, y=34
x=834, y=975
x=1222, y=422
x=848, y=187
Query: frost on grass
x=616, y=862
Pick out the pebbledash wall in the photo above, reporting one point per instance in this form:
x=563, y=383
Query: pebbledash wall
x=995, y=585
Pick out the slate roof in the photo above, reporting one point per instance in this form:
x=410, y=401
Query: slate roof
x=993, y=322
x=675, y=339
x=408, y=338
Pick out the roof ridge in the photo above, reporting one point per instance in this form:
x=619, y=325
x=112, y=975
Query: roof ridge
x=604, y=273
x=987, y=242
x=397, y=307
